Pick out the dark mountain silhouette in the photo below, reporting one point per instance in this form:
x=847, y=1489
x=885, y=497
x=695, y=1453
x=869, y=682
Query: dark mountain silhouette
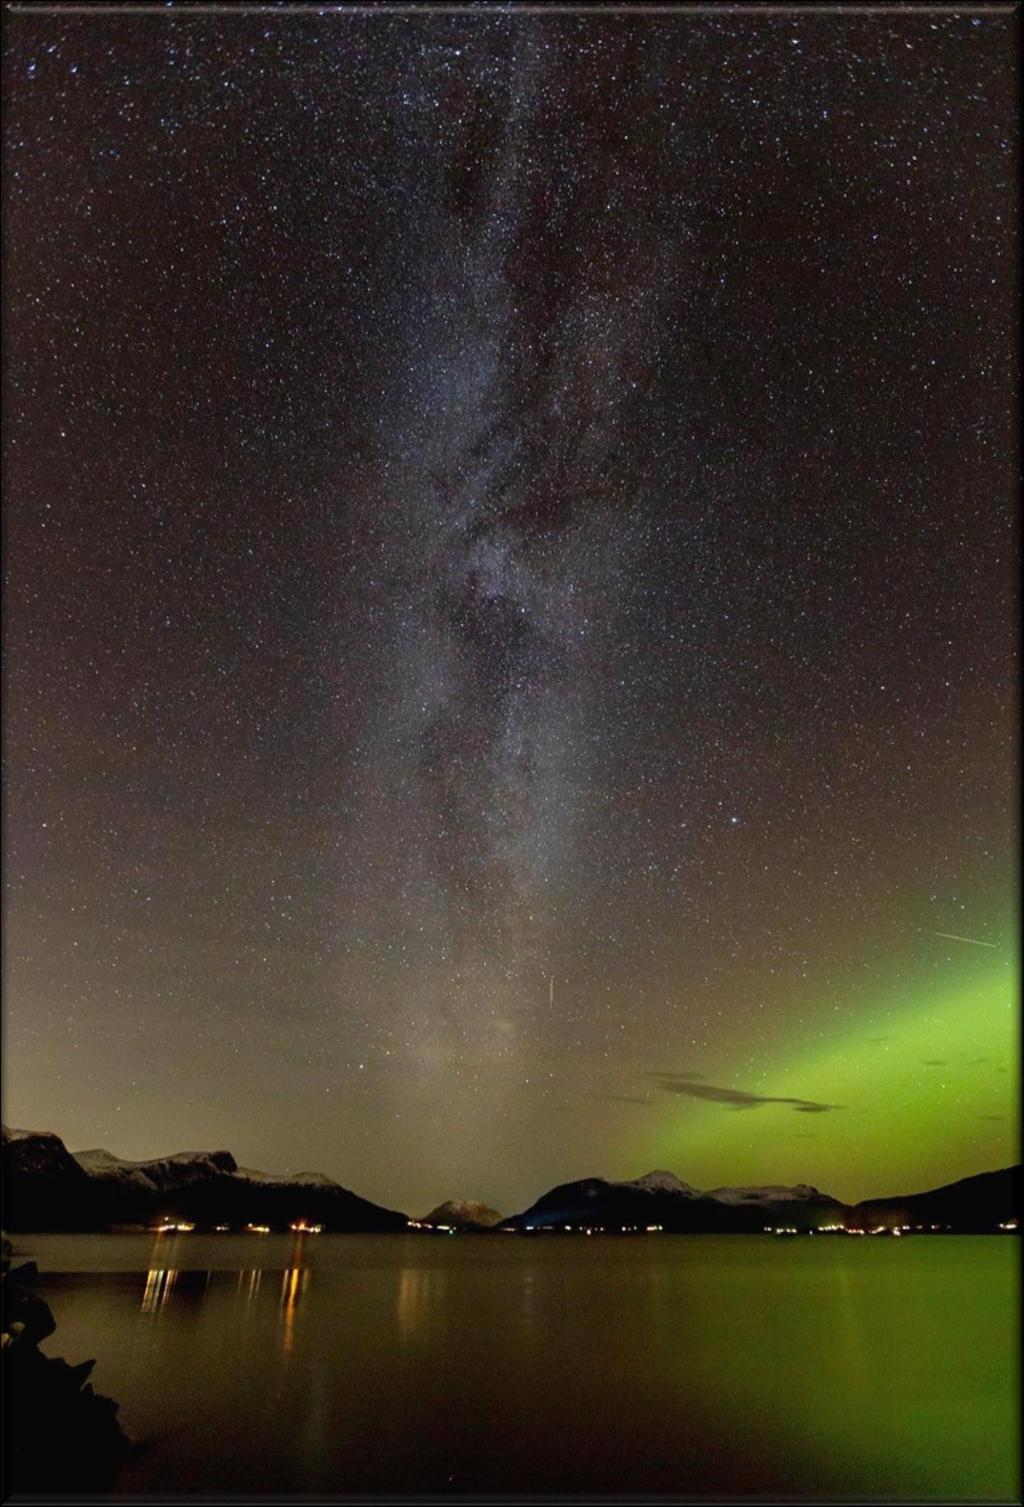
x=972, y=1205
x=978, y=1204
x=661, y=1199
x=49, y=1189
x=44, y=1187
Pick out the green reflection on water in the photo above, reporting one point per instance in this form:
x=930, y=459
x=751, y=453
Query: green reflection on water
x=815, y=1367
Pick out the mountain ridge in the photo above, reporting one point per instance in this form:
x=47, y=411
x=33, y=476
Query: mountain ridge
x=981, y=1203
x=49, y=1187
x=662, y=1201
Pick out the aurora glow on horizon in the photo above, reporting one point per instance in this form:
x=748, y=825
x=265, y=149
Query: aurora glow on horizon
x=511, y=625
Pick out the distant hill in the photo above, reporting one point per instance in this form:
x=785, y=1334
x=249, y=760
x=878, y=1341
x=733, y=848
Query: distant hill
x=462, y=1214
x=974, y=1205
x=48, y=1188
x=660, y=1198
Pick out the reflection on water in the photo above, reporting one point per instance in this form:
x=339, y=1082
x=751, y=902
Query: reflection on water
x=294, y=1281
x=849, y=1333
x=691, y=1366
x=249, y=1283
x=418, y=1298
x=158, y=1289
x=161, y=1284
x=293, y=1285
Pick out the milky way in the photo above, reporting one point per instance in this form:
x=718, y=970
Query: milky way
x=511, y=592
x=523, y=529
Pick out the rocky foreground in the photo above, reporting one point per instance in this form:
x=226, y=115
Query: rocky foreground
x=60, y=1435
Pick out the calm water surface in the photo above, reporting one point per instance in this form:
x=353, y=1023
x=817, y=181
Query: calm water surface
x=276, y=1364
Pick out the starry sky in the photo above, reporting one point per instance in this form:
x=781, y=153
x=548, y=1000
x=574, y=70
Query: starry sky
x=510, y=620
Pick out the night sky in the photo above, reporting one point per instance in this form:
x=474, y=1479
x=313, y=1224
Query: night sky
x=511, y=617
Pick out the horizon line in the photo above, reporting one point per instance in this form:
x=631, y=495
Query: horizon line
x=611, y=1181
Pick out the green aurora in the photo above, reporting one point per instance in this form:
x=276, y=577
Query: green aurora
x=925, y=1081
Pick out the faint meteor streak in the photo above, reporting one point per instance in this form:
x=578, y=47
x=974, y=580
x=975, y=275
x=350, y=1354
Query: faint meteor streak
x=951, y=936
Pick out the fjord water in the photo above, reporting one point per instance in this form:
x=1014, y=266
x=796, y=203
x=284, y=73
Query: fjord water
x=819, y=1366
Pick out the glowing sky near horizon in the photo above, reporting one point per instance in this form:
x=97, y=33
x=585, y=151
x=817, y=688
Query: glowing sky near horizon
x=511, y=607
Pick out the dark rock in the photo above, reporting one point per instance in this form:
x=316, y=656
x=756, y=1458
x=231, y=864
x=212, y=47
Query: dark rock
x=36, y=1317
x=24, y=1313
x=61, y=1436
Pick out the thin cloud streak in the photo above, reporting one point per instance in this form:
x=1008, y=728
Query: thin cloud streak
x=736, y=1098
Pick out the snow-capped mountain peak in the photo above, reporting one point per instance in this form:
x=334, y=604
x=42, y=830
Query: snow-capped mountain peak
x=288, y=1179
x=799, y=1193
x=161, y=1174
x=10, y=1134
x=661, y=1182
x=462, y=1213
x=101, y=1161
